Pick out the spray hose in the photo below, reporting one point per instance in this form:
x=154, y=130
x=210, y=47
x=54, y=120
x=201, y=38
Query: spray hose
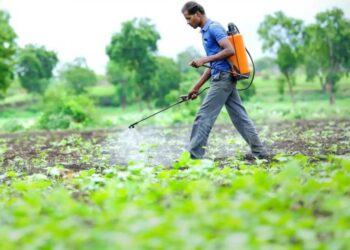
x=183, y=98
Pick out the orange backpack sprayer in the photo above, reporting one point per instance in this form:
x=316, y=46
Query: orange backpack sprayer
x=238, y=61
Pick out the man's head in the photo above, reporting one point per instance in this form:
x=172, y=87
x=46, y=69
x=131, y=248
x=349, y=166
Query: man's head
x=194, y=13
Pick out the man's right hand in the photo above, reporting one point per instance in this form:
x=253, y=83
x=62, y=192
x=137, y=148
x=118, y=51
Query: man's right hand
x=193, y=94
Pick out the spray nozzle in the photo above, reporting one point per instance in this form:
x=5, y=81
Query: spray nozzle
x=132, y=125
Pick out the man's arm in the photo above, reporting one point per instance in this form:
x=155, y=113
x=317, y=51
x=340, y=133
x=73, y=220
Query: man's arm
x=204, y=77
x=226, y=52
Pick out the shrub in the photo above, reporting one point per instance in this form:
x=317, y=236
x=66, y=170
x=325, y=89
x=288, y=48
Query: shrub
x=66, y=111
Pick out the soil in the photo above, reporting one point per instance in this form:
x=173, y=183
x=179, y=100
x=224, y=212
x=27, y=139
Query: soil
x=77, y=150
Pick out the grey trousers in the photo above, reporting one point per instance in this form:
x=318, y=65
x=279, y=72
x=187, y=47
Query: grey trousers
x=222, y=92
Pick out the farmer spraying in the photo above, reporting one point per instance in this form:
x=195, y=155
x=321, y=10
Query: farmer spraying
x=222, y=86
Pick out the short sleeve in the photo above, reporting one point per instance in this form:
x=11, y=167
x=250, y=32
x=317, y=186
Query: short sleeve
x=217, y=31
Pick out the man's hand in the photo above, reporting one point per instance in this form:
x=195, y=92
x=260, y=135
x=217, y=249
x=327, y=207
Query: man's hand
x=196, y=63
x=193, y=94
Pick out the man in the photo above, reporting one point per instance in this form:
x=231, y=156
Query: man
x=222, y=86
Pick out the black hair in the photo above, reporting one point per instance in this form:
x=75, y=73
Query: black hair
x=192, y=7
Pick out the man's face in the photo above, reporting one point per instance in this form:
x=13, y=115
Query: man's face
x=192, y=20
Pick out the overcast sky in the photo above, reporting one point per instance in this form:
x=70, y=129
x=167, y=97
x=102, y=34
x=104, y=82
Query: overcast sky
x=83, y=28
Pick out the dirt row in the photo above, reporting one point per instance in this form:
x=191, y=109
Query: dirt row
x=163, y=145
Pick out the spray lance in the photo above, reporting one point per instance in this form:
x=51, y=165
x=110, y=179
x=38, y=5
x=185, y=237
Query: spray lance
x=183, y=98
x=239, y=67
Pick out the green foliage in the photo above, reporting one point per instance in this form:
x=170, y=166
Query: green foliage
x=133, y=49
x=187, y=80
x=64, y=111
x=291, y=204
x=188, y=111
x=77, y=76
x=7, y=51
x=166, y=78
x=247, y=93
x=327, y=48
x=104, y=95
x=279, y=30
x=282, y=35
x=172, y=96
x=34, y=67
x=120, y=76
x=287, y=60
x=314, y=59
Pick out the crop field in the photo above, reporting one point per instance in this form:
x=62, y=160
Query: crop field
x=135, y=189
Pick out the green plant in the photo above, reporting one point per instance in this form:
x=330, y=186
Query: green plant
x=63, y=111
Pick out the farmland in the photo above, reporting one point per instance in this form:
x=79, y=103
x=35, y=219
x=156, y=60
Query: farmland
x=106, y=186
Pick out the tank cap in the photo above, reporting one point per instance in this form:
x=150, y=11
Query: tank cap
x=232, y=29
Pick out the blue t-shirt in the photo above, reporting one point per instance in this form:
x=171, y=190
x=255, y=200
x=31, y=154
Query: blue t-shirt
x=212, y=33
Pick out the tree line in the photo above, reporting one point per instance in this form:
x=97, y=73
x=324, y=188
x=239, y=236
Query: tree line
x=322, y=49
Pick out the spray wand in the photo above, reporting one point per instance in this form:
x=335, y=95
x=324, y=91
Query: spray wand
x=183, y=98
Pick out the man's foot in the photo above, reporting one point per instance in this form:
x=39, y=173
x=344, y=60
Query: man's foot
x=253, y=157
x=249, y=157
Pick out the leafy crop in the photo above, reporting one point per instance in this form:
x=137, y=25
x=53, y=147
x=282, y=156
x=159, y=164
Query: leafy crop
x=292, y=203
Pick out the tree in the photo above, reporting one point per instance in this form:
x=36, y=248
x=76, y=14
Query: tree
x=134, y=49
x=314, y=60
x=122, y=78
x=282, y=36
x=35, y=65
x=78, y=76
x=7, y=52
x=327, y=49
x=166, y=78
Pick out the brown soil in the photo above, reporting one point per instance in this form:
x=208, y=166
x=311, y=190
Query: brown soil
x=76, y=150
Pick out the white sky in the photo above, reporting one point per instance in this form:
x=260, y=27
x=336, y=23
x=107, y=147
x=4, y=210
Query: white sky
x=83, y=28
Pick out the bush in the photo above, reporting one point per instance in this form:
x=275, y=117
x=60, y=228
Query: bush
x=78, y=76
x=66, y=111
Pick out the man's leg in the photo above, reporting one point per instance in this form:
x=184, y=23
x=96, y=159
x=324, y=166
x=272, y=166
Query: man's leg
x=243, y=124
x=206, y=116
